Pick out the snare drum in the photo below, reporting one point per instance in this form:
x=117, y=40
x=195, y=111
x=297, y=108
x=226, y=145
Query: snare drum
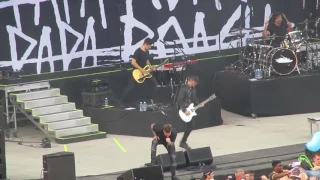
x=283, y=61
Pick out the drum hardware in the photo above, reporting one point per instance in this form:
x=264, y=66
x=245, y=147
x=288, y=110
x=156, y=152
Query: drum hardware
x=309, y=60
x=243, y=56
x=316, y=26
x=306, y=28
x=240, y=29
x=171, y=85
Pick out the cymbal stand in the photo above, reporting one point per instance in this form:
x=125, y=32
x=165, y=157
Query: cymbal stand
x=254, y=53
x=316, y=27
x=241, y=53
x=306, y=30
x=310, y=61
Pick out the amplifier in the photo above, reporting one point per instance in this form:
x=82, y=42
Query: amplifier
x=95, y=85
x=59, y=165
x=94, y=99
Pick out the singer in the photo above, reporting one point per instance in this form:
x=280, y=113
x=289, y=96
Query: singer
x=141, y=59
x=277, y=26
x=166, y=136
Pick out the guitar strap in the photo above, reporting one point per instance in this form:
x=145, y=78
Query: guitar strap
x=189, y=98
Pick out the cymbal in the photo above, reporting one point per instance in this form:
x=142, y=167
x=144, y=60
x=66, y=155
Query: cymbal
x=309, y=21
x=257, y=31
x=266, y=38
x=237, y=34
x=241, y=29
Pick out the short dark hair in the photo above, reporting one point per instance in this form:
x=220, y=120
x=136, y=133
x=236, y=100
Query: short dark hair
x=167, y=128
x=287, y=167
x=206, y=173
x=275, y=162
x=194, y=78
x=148, y=41
x=249, y=172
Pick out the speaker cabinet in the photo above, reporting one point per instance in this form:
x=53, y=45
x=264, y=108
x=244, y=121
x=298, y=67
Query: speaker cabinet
x=144, y=173
x=94, y=99
x=200, y=155
x=60, y=166
x=165, y=162
x=3, y=166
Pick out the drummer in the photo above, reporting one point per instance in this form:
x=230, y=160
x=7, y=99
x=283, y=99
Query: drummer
x=277, y=26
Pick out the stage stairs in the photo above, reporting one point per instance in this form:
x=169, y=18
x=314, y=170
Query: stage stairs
x=56, y=116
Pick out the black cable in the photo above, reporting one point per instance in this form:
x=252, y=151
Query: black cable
x=122, y=114
x=22, y=142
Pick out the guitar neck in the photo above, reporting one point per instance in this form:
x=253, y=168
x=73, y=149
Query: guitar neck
x=203, y=102
x=160, y=64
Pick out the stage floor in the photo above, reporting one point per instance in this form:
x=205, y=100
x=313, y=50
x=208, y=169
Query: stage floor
x=96, y=157
x=284, y=95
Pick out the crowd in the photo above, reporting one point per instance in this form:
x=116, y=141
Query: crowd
x=306, y=168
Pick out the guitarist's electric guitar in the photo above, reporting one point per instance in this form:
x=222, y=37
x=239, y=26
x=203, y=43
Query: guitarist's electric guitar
x=138, y=75
x=192, y=109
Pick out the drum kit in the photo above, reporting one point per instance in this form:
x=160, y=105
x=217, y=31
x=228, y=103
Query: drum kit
x=260, y=59
x=172, y=74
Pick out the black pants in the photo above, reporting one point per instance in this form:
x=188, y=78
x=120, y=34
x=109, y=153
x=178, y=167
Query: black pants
x=171, y=151
x=151, y=87
x=187, y=131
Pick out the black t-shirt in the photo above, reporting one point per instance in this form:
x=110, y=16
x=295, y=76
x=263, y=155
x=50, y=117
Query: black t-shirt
x=278, y=31
x=306, y=165
x=141, y=57
x=158, y=129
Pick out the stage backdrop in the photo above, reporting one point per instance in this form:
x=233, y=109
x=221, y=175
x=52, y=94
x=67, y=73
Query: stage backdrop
x=40, y=36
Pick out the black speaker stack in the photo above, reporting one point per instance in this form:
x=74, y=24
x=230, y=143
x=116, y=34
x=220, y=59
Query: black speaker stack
x=59, y=166
x=3, y=166
x=193, y=157
x=152, y=172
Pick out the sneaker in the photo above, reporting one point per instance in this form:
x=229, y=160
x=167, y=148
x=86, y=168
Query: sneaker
x=174, y=178
x=151, y=164
x=185, y=145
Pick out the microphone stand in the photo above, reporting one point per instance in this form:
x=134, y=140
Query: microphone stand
x=121, y=36
x=182, y=76
x=241, y=42
x=174, y=65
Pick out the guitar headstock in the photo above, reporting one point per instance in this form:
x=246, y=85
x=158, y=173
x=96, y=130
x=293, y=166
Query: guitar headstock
x=212, y=97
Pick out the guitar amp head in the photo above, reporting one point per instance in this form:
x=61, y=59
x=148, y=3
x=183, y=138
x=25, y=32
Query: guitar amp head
x=95, y=85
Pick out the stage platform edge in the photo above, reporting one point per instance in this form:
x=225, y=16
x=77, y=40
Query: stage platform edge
x=135, y=123
x=283, y=95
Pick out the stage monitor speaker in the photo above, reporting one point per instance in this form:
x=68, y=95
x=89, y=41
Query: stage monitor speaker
x=60, y=166
x=144, y=173
x=198, y=156
x=165, y=162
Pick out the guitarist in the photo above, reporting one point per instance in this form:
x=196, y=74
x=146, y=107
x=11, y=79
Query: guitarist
x=187, y=95
x=139, y=60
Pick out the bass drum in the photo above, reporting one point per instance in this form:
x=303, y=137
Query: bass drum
x=283, y=61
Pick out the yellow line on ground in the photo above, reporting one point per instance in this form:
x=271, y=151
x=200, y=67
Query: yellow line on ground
x=119, y=145
x=65, y=148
